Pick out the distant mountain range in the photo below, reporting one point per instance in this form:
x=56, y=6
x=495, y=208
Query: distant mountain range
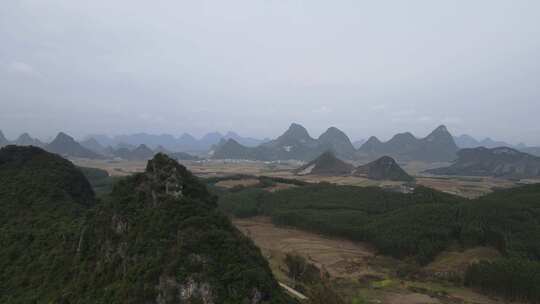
x=185, y=142
x=23, y=140
x=65, y=145
x=438, y=146
x=295, y=143
x=467, y=141
x=498, y=162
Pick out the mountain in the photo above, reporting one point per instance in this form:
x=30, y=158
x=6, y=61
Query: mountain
x=3, y=140
x=531, y=150
x=338, y=142
x=384, y=168
x=245, y=141
x=210, y=139
x=142, y=152
x=490, y=143
x=326, y=164
x=184, y=142
x=358, y=143
x=93, y=145
x=150, y=140
x=499, y=162
x=295, y=143
x=26, y=140
x=467, y=141
x=231, y=149
x=438, y=146
x=182, y=156
x=65, y=145
x=158, y=238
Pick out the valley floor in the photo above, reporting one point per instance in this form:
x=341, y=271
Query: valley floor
x=356, y=271
x=469, y=187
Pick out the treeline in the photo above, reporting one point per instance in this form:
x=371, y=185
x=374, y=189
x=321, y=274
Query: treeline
x=418, y=225
x=515, y=279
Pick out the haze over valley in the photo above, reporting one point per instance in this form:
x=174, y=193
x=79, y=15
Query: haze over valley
x=269, y=152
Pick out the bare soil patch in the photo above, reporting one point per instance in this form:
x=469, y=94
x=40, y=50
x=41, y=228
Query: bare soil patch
x=337, y=256
x=231, y=183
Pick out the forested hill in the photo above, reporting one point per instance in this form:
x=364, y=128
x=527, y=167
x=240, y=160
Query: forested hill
x=157, y=238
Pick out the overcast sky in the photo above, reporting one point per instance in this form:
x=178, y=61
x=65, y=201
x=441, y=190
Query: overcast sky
x=253, y=66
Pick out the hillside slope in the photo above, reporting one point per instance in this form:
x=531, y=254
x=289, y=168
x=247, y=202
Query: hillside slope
x=326, y=164
x=498, y=162
x=384, y=168
x=65, y=145
x=157, y=238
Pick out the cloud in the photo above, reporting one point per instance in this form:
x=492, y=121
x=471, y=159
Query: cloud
x=321, y=110
x=379, y=107
x=24, y=68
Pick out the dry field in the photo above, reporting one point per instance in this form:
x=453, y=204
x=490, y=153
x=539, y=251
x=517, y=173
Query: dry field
x=356, y=270
x=231, y=183
x=469, y=187
x=113, y=167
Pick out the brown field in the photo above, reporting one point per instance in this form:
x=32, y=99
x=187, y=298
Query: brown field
x=339, y=257
x=231, y=183
x=458, y=261
x=356, y=270
x=469, y=187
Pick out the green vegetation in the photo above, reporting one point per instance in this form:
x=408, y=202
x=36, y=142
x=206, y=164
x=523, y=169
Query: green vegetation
x=416, y=226
x=515, y=279
x=101, y=181
x=157, y=238
x=310, y=280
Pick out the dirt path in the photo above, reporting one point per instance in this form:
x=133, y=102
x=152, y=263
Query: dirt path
x=293, y=292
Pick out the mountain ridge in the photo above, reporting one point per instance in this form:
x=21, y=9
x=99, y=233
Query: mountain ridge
x=437, y=146
x=498, y=162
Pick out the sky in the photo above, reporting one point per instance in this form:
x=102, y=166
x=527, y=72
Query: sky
x=255, y=66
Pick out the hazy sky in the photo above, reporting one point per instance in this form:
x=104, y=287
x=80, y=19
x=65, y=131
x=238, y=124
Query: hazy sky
x=253, y=66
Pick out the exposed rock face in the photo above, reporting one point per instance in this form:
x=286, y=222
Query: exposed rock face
x=498, y=162
x=384, y=168
x=65, y=145
x=439, y=145
x=326, y=164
